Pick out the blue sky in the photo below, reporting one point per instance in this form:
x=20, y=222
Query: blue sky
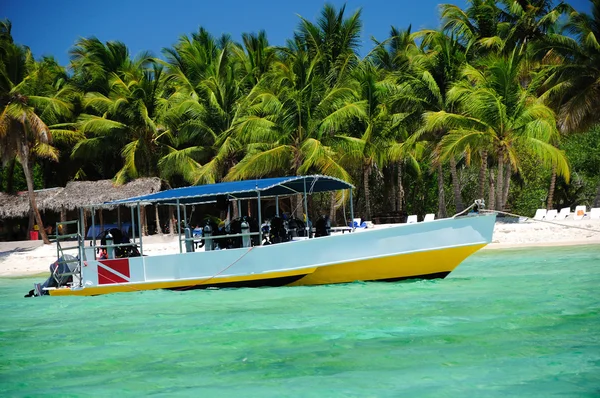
x=51, y=27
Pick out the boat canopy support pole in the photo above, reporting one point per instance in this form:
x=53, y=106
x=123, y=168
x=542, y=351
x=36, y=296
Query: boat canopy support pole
x=132, y=224
x=277, y=205
x=260, y=234
x=185, y=224
x=94, y=228
x=81, y=242
x=140, y=227
x=178, y=225
x=306, y=211
x=351, y=210
x=239, y=209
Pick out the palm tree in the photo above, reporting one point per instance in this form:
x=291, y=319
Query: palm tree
x=94, y=63
x=128, y=124
x=395, y=55
x=376, y=127
x=530, y=20
x=570, y=75
x=572, y=70
x=23, y=134
x=257, y=58
x=207, y=79
x=426, y=87
x=498, y=115
x=333, y=40
x=288, y=118
x=479, y=27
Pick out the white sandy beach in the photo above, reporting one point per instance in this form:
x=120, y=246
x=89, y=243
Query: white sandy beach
x=31, y=257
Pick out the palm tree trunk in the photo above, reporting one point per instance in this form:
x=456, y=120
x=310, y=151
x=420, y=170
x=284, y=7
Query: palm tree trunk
x=499, y=182
x=550, y=203
x=400, y=189
x=30, y=221
x=332, y=209
x=144, y=220
x=171, y=223
x=234, y=210
x=158, y=228
x=492, y=192
x=482, y=174
x=63, y=218
x=392, y=194
x=507, y=175
x=366, y=172
x=30, y=192
x=458, y=203
x=441, y=195
x=10, y=176
x=85, y=223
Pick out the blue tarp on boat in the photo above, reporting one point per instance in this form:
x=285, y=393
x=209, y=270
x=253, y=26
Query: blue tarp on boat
x=242, y=190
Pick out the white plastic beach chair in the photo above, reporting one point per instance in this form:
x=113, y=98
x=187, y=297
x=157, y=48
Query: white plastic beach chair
x=539, y=214
x=579, y=213
x=429, y=217
x=564, y=213
x=411, y=219
x=595, y=213
x=551, y=215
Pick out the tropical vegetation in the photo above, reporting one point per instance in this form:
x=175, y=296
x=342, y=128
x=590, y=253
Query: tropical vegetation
x=499, y=103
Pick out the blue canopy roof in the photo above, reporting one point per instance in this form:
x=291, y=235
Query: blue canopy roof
x=242, y=190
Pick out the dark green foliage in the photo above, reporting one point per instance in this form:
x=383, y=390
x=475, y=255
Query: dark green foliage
x=583, y=151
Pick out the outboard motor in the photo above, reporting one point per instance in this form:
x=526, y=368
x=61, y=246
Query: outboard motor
x=208, y=246
x=246, y=239
x=60, y=275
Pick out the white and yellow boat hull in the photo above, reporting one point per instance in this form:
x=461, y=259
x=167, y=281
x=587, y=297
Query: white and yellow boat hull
x=422, y=250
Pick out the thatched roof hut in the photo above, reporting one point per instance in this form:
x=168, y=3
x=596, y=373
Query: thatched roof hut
x=75, y=195
x=85, y=193
x=18, y=205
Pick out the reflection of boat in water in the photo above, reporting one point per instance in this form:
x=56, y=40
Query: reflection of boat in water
x=421, y=250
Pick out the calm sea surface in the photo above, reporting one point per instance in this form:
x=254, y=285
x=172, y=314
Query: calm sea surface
x=506, y=323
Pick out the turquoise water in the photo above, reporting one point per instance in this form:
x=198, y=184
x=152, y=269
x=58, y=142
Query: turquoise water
x=505, y=323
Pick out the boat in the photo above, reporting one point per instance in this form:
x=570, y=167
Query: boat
x=256, y=254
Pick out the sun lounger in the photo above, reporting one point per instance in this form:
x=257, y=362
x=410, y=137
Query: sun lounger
x=595, y=213
x=540, y=214
x=564, y=213
x=579, y=213
x=429, y=217
x=411, y=219
x=551, y=215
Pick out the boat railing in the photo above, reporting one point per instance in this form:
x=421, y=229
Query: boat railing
x=200, y=238
x=116, y=245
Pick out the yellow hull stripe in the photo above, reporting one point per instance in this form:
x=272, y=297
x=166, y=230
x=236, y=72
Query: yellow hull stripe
x=137, y=287
x=391, y=267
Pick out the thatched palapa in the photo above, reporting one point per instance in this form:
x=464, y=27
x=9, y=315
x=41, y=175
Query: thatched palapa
x=75, y=195
x=18, y=205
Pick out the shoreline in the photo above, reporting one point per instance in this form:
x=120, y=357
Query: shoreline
x=21, y=259
x=500, y=246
